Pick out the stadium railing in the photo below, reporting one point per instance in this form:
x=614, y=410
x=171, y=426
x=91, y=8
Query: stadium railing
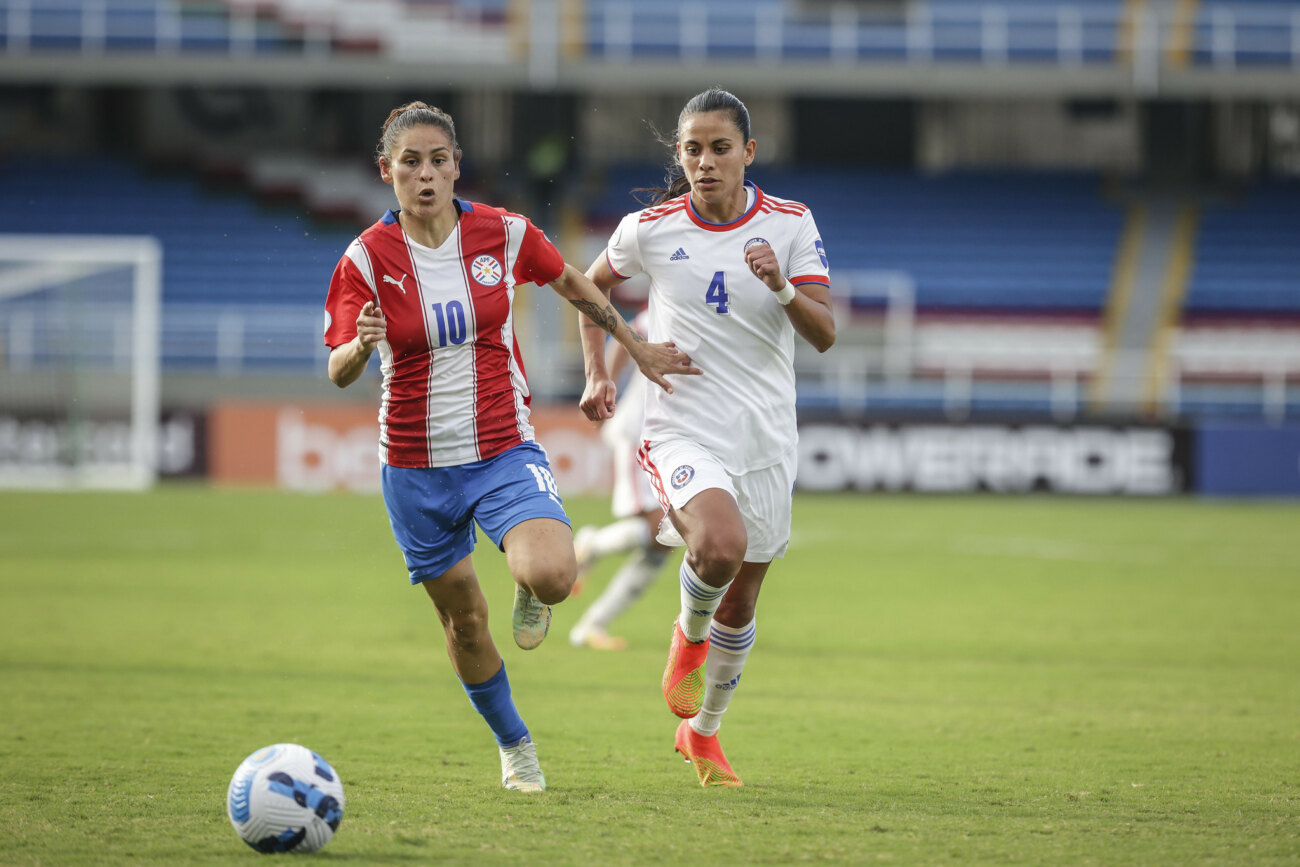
x=1230, y=34
x=147, y=26
x=883, y=362
x=1222, y=35
x=927, y=32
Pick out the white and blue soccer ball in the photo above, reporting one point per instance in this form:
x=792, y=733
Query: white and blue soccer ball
x=285, y=798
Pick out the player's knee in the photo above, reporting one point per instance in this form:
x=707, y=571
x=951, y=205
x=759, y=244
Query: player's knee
x=718, y=556
x=466, y=628
x=550, y=582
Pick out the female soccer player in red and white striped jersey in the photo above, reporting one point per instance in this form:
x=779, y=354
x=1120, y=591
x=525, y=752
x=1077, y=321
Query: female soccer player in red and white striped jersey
x=430, y=286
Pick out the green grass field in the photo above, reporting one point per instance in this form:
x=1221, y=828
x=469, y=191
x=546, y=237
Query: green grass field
x=936, y=680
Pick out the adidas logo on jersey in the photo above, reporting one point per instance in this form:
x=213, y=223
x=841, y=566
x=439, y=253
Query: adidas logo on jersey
x=679, y=255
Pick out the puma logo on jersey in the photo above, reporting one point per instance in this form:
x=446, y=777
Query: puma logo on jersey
x=397, y=283
x=679, y=255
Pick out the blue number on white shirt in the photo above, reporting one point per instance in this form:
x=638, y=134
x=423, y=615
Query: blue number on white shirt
x=717, y=292
x=452, y=327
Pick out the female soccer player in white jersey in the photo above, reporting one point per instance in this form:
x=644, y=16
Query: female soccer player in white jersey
x=734, y=274
x=430, y=286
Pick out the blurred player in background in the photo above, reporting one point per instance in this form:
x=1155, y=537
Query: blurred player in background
x=734, y=275
x=634, y=504
x=430, y=286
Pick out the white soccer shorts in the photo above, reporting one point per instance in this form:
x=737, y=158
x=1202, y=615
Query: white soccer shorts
x=680, y=469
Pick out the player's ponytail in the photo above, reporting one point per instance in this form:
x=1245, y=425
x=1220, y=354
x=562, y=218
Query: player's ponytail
x=713, y=99
x=410, y=115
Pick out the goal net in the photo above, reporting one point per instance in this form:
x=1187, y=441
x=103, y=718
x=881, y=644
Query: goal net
x=79, y=321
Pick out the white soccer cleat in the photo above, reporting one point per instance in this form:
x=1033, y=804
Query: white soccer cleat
x=531, y=619
x=519, y=768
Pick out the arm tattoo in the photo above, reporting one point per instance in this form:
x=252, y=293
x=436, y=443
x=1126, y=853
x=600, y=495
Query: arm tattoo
x=606, y=317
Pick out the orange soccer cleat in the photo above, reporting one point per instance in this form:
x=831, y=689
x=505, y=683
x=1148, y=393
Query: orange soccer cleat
x=683, y=682
x=596, y=638
x=705, y=753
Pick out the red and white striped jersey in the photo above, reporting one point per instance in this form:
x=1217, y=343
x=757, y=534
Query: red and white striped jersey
x=454, y=389
x=705, y=299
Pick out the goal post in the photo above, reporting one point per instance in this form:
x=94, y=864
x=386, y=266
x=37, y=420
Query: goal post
x=79, y=361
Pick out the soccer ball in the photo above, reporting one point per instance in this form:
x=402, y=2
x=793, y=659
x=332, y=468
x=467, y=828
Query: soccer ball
x=285, y=798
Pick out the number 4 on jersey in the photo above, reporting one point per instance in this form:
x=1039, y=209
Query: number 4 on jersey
x=717, y=292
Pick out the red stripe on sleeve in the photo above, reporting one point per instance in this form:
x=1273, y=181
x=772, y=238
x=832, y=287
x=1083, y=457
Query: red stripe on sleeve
x=811, y=278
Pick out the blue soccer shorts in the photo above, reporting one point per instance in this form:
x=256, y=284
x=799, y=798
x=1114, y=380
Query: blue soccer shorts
x=433, y=510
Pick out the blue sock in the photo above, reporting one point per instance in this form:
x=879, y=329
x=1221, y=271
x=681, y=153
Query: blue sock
x=492, y=700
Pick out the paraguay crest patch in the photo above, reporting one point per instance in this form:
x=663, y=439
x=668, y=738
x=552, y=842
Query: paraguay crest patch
x=486, y=270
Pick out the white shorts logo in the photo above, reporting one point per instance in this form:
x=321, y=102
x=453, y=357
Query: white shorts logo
x=486, y=270
x=682, y=476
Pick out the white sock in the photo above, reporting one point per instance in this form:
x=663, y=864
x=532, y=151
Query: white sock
x=626, y=587
x=728, y=650
x=619, y=537
x=699, y=601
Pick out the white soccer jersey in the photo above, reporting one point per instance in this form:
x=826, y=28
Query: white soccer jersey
x=705, y=299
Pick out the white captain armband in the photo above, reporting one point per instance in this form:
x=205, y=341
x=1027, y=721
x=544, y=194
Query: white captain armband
x=786, y=295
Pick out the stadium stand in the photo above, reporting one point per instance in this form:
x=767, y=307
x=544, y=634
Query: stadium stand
x=1219, y=33
x=134, y=26
x=1238, y=344
x=1248, y=33
x=943, y=30
x=1248, y=257
x=227, y=264
x=219, y=248
x=973, y=242
x=1026, y=30
x=1009, y=272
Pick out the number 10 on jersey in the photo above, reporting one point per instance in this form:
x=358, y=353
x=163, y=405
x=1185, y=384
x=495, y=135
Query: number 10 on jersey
x=451, y=325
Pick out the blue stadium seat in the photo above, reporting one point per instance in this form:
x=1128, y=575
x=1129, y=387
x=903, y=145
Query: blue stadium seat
x=215, y=248
x=1247, y=255
x=987, y=241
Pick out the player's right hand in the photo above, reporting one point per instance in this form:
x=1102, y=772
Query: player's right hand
x=598, y=398
x=372, y=326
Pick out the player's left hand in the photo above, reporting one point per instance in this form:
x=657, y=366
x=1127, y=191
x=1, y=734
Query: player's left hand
x=658, y=360
x=762, y=262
